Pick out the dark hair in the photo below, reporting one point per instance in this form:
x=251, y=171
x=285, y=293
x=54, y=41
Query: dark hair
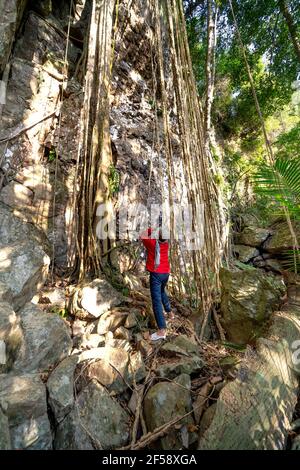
x=160, y=238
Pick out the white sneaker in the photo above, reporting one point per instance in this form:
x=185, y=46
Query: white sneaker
x=156, y=337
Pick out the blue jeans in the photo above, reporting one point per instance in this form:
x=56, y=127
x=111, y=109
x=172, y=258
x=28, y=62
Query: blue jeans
x=160, y=300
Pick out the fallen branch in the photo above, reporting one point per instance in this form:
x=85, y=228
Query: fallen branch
x=158, y=432
x=163, y=429
x=17, y=132
x=139, y=411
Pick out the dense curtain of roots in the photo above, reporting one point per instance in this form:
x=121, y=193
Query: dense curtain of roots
x=95, y=146
x=195, y=273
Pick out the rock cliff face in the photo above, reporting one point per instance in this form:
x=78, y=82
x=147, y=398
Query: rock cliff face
x=30, y=176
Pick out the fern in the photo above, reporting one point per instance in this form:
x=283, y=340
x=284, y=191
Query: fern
x=281, y=183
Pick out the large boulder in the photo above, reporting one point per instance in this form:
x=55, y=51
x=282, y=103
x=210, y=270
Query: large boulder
x=207, y=418
x=13, y=230
x=255, y=411
x=23, y=268
x=93, y=299
x=282, y=240
x=71, y=435
x=190, y=365
x=116, y=370
x=97, y=421
x=166, y=401
x=268, y=264
x=245, y=253
x=16, y=195
x=10, y=335
x=252, y=236
x=5, y=293
x=23, y=401
x=184, y=358
x=110, y=321
x=248, y=298
x=46, y=340
x=24, y=259
x=186, y=344
x=60, y=386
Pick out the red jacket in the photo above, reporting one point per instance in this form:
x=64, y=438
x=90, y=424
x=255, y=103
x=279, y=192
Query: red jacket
x=149, y=243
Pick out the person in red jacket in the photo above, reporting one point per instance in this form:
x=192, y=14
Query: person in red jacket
x=158, y=265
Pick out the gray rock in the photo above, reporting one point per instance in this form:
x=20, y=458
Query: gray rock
x=249, y=220
x=5, y=293
x=23, y=268
x=252, y=236
x=2, y=353
x=131, y=321
x=248, y=298
x=94, y=299
x=295, y=425
x=60, y=387
x=245, y=253
x=71, y=435
x=55, y=296
x=186, y=344
x=145, y=348
x=268, y=264
x=78, y=327
x=23, y=401
x=11, y=14
x=45, y=40
x=122, y=333
x=43, y=7
x=93, y=341
x=10, y=335
x=184, y=348
x=282, y=240
x=110, y=321
x=33, y=434
x=13, y=230
x=46, y=340
x=296, y=443
x=116, y=370
x=165, y=401
x=189, y=365
x=88, y=341
x=274, y=265
x=207, y=418
x=171, y=350
x=5, y=443
x=197, y=323
x=16, y=195
x=119, y=344
x=98, y=421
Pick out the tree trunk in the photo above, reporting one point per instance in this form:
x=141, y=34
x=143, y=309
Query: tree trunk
x=291, y=26
x=256, y=409
x=212, y=15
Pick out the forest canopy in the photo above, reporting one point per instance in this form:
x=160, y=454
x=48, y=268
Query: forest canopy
x=221, y=33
